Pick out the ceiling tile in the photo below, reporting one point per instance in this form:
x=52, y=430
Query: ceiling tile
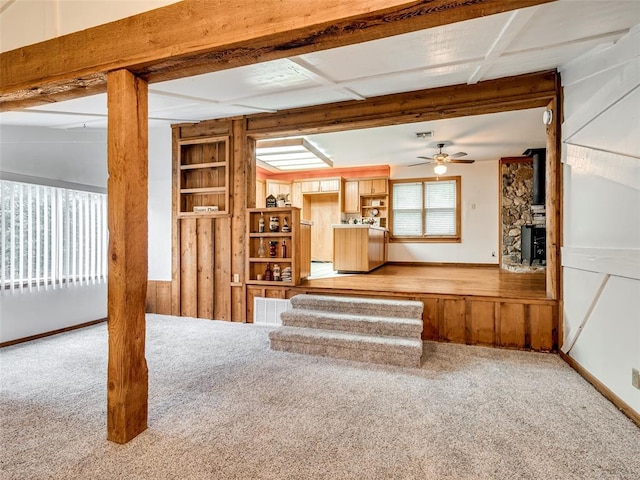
x=410, y=81
x=566, y=21
x=40, y=119
x=96, y=104
x=298, y=98
x=469, y=40
x=261, y=78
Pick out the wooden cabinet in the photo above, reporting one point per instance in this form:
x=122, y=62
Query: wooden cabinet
x=203, y=177
x=358, y=248
x=298, y=245
x=275, y=188
x=296, y=194
x=372, y=186
x=351, y=196
x=376, y=207
x=325, y=185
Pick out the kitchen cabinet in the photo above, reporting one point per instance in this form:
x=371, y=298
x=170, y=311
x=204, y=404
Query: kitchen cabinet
x=375, y=207
x=275, y=188
x=372, y=186
x=297, y=256
x=359, y=248
x=296, y=194
x=351, y=196
x=325, y=185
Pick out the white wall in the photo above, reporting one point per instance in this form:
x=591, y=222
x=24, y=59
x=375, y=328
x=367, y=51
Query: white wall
x=601, y=246
x=52, y=18
x=480, y=226
x=78, y=159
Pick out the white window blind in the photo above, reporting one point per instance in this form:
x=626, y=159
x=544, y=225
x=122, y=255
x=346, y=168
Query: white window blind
x=51, y=237
x=440, y=207
x=407, y=209
x=425, y=209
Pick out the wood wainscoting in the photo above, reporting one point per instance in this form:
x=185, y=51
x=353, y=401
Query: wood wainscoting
x=159, y=297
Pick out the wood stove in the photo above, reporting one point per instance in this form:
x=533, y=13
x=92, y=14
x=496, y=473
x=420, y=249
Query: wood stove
x=533, y=244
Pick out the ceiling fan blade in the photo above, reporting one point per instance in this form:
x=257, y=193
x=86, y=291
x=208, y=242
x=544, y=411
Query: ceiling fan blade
x=461, y=161
x=416, y=164
x=458, y=155
x=427, y=158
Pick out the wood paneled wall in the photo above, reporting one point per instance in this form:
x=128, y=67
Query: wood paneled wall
x=209, y=250
x=159, y=297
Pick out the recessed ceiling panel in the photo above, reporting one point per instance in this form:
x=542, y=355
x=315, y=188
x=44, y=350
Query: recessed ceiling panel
x=469, y=40
x=411, y=81
x=566, y=21
x=261, y=78
x=537, y=60
x=197, y=112
x=298, y=98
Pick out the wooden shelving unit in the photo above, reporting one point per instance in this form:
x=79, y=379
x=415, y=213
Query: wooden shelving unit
x=375, y=203
x=298, y=245
x=203, y=176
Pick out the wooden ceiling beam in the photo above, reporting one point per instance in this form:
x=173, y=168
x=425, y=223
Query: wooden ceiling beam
x=198, y=36
x=491, y=96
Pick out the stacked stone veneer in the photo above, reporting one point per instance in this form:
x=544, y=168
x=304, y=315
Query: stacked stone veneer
x=361, y=329
x=517, y=210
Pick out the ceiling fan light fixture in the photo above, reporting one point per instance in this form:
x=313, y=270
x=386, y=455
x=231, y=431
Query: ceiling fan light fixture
x=440, y=169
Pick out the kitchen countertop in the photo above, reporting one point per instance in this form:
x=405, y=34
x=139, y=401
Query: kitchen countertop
x=357, y=225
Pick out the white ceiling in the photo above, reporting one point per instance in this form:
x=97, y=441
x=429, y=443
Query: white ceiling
x=527, y=40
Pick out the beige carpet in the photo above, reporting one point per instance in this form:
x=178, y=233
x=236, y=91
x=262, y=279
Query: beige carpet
x=224, y=406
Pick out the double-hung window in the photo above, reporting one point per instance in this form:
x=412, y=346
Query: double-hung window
x=51, y=237
x=426, y=209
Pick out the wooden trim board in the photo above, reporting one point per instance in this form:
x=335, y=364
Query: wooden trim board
x=603, y=389
x=53, y=332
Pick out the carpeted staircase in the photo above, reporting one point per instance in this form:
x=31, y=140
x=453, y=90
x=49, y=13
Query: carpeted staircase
x=362, y=329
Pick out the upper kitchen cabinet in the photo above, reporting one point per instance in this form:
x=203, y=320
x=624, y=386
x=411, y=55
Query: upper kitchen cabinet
x=203, y=176
x=276, y=188
x=373, y=186
x=324, y=185
x=351, y=196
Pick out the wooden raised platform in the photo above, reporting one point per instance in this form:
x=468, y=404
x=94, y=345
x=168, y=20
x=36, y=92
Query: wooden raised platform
x=473, y=305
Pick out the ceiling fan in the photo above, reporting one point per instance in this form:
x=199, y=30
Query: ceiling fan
x=441, y=159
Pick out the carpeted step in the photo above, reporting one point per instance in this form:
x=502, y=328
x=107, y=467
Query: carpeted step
x=359, y=305
x=372, y=325
x=346, y=345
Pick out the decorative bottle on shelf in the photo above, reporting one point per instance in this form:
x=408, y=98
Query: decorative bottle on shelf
x=273, y=245
x=262, y=251
x=268, y=275
x=276, y=273
x=285, y=225
x=283, y=248
x=261, y=223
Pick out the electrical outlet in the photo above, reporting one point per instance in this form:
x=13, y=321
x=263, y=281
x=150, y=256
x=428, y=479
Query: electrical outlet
x=635, y=378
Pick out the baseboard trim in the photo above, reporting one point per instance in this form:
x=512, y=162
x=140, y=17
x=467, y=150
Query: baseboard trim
x=603, y=389
x=444, y=264
x=54, y=332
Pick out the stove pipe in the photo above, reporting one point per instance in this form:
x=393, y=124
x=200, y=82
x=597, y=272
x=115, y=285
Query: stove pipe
x=539, y=156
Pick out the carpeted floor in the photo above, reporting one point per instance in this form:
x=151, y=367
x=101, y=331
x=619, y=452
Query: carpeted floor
x=223, y=406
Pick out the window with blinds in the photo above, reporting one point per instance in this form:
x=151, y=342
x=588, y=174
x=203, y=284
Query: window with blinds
x=426, y=209
x=51, y=237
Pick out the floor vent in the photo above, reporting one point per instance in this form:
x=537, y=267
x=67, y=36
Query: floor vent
x=266, y=311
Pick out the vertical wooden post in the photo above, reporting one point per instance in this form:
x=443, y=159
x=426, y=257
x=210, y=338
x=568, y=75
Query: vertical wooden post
x=127, y=381
x=553, y=201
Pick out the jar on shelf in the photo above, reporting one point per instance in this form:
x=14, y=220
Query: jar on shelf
x=273, y=245
x=276, y=272
x=261, y=223
x=274, y=224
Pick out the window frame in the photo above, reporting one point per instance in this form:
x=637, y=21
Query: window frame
x=456, y=238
